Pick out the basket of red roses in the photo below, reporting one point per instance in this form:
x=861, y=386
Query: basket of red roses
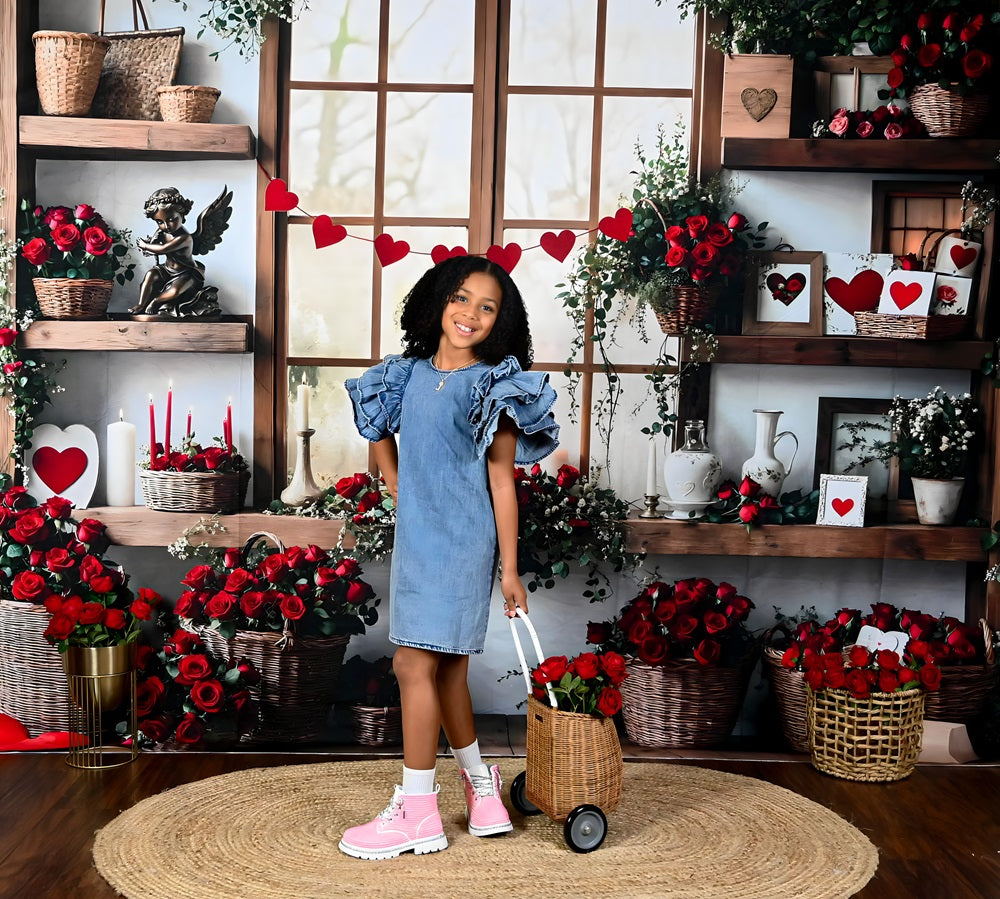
x=690, y=660
x=195, y=478
x=866, y=712
x=371, y=692
x=291, y=613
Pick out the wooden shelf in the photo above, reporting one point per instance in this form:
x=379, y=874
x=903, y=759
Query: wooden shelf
x=806, y=541
x=830, y=154
x=124, y=333
x=870, y=351
x=59, y=137
x=139, y=526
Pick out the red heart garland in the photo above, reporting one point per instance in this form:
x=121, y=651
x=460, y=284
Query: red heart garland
x=618, y=226
x=963, y=256
x=441, y=252
x=861, y=295
x=842, y=506
x=326, y=233
x=59, y=470
x=278, y=198
x=389, y=250
x=904, y=295
x=506, y=257
x=558, y=246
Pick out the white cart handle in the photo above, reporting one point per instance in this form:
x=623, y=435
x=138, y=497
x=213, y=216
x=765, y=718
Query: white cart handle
x=538, y=651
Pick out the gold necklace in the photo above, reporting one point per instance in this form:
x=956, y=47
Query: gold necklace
x=449, y=373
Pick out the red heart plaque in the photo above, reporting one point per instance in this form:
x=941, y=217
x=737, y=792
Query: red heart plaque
x=441, y=252
x=326, y=233
x=904, y=295
x=861, y=295
x=618, y=226
x=506, y=257
x=278, y=198
x=842, y=506
x=389, y=250
x=963, y=256
x=558, y=246
x=59, y=469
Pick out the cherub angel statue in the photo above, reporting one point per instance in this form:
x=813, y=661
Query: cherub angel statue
x=176, y=288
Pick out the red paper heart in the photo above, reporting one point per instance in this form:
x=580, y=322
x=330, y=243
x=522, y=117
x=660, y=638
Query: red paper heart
x=558, y=246
x=618, y=226
x=326, y=233
x=861, y=295
x=506, y=257
x=785, y=290
x=963, y=256
x=904, y=295
x=389, y=250
x=59, y=470
x=278, y=198
x=441, y=252
x=842, y=506
x=14, y=737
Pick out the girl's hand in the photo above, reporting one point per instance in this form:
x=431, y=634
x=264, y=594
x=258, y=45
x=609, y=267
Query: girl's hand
x=514, y=594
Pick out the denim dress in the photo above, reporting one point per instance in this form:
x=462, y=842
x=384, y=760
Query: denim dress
x=445, y=547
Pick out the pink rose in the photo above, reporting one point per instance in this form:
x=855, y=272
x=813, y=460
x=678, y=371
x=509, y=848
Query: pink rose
x=839, y=125
x=893, y=131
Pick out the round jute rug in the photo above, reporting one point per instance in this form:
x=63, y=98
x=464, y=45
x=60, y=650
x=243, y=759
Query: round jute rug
x=272, y=833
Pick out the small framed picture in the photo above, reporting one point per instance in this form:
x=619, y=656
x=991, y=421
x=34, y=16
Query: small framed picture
x=784, y=295
x=842, y=500
x=951, y=295
x=907, y=293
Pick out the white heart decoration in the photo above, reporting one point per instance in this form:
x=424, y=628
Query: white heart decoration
x=873, y=639
x=62, y=463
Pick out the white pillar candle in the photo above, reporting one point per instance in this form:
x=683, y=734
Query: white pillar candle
x=119, y=472
x=651, y=470
x=302, y=405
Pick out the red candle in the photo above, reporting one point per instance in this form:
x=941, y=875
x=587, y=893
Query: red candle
x=152, y=430
x=189, y=423
x=170, y=406
x=229, y=427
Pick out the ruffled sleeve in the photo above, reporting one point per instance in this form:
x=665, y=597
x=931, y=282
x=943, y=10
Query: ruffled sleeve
x=527, y=398
x=377, y=397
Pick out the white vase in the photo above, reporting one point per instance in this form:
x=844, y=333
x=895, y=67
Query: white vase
x=937, y=499
x=692, y=473
x=764, y=466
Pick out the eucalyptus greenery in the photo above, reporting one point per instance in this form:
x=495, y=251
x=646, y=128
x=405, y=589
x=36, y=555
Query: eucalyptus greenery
x=241, y=22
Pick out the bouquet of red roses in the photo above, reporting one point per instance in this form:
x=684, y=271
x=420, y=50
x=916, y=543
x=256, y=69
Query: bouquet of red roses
x=193, y=456
x=587, y=684
x=864, y=672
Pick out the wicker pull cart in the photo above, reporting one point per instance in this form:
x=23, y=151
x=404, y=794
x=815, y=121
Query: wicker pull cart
x=574, y=763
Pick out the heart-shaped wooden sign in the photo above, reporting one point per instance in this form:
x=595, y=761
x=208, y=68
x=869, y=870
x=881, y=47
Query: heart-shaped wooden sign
x=758, y=102
x=62, y=463
x=861, y=294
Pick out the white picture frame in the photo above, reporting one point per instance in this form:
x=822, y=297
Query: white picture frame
x=907, y=292
x=842, y=500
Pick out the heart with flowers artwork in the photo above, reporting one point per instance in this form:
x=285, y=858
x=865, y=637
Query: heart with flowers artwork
x=62, y=463
x=852, y=282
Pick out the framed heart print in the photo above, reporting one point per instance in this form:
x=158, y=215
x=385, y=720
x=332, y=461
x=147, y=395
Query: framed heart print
x=784, y=294
x=842, y=500
x=907, y=293
x=852, y=282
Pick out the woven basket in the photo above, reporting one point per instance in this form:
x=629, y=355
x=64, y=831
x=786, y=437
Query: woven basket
x=67, y=70
x=33, y=686
x=910, y=327
x=187, y=102
x=375, y=725
x=73, y=297
x=946, y=114
x=137, y=63
x=964, y=688
x=683, y=704
x=571, y=760
x=194, y=491
x=874, y=739
x=691, y=306
x=790, y=691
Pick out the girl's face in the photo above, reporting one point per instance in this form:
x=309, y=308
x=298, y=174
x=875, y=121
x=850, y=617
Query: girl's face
x=471, y=313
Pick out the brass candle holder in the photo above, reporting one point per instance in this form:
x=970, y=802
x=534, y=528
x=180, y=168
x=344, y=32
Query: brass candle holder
x=652, y=506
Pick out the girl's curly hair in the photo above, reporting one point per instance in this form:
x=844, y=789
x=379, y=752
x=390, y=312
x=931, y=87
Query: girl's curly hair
x=424, y=305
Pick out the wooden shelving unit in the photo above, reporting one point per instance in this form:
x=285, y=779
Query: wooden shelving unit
x=122, y=333
x=56, y=137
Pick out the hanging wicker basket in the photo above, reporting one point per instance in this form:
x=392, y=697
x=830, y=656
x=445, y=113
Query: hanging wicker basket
x=375, y=725
x=67, y=70
x=194, y=491
x=683, y=704
x=873, y=739
x=689, y=306
x=947, y=114
x=78, y=298
x=187, y=102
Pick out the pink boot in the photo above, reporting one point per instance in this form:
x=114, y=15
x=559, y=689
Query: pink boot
x=408, y=822
x=487, y=815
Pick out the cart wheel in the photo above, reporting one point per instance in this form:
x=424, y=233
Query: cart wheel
x=585, y=828
x=519, y=796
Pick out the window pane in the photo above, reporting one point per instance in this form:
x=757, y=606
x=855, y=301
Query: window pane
x=552, y=42
x=329, y=293
x=335, y=40
x=548, y=157
x=569, y=432
x=432, y=42
x=648, y=47
x=428, y=154
x=331, y=151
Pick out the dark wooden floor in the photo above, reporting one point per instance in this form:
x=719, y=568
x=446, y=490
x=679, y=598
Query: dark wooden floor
x=938, y=831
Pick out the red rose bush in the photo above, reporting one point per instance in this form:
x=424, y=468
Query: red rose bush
x=587, y=684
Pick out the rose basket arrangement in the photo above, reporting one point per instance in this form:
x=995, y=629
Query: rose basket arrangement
x=186, y=698
x=75, y=258
x=889, y=122
x=194, y=478
x=690, y=657
x=370, y=691
x=748, y=504
x=289, y=611
x=589, y=684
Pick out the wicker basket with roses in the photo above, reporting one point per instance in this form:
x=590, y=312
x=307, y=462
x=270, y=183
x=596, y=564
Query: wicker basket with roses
x=690, y=658
x=291, y=612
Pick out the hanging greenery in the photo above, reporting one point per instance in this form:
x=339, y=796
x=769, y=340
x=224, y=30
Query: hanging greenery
x=241, y=22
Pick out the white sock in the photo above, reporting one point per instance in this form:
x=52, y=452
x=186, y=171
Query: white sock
x=470, y=759
x=418, y=782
